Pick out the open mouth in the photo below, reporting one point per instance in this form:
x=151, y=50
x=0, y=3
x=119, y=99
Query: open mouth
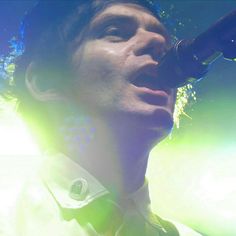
x=148, y=82
x=150, y=90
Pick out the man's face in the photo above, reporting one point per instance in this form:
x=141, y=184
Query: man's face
x=115, y=68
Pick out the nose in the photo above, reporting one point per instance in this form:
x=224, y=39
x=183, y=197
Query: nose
x=150, y=43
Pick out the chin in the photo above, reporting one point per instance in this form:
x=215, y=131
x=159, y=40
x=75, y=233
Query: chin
x=158, y=121
x=153, y=127
x=162, y=119
x=161, y=123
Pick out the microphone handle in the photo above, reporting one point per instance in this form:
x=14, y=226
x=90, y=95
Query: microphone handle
x=215, y=38
x=188, y=60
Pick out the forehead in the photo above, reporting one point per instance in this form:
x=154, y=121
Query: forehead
x=128, y=11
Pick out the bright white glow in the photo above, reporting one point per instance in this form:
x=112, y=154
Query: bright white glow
x=196, y=187
x=15, y=138
x=18, y=151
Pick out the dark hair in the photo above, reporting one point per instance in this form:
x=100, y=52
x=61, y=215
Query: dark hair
x=46, y=34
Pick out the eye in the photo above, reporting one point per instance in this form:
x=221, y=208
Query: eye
x=112, y=30
x=115, y=33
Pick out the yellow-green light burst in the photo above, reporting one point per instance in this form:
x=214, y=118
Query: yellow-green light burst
x=193, y=174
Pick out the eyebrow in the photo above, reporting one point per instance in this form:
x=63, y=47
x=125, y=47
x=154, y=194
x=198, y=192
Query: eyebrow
x=157, y=27
x=110, y=18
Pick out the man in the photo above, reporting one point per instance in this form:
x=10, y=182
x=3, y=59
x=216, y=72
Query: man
x=87, y=84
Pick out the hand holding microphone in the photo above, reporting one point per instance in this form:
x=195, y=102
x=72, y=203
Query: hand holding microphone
x=188, y=60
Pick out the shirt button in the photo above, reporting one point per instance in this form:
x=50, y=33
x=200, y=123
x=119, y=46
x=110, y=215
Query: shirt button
x=79, y=189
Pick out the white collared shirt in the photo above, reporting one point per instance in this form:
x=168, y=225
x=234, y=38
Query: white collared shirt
x=65, y=186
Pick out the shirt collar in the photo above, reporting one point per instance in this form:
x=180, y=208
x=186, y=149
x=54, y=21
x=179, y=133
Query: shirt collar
x=73, y=187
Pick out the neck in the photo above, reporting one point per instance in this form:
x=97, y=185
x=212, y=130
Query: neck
x=116, y=155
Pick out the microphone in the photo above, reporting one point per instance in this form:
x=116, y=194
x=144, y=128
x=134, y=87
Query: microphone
x=188, y=60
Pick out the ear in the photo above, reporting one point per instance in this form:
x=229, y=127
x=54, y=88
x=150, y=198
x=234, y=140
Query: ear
x=32, y=82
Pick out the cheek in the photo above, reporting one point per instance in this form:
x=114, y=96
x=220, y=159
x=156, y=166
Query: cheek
x=97, y=62
x=98, y=73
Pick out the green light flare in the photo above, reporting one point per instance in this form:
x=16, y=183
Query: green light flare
x=211, y=122
x=195, y=188
x=192, y=174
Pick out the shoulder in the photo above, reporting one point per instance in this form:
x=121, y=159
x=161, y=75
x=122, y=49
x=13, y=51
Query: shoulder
x=33, y=207
x=23, y=205
x=27, y=204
